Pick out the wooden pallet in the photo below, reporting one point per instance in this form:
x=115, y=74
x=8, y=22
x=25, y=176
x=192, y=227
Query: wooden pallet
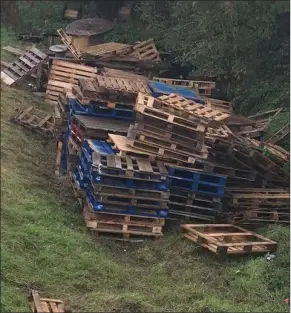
x=175, y=143
x=221, y=132
x=158, y=142
x=265, y=117
x=170, y=119
x=213, y=116
x=123, y=74
x=65, y=74
x=259, y=192
x=25, y=65
x=222, y=105
x=250, y=217
x=144, y=100
x=277, y=153
x=36, y=120
x=134, y=168
x=146, y=51
x=124, y=225
x=134, y=193
x=227, y=239
x=127, y=87
x=67, y=40
x=166, y=153
x=88, y=88
x=127, y=201
x=186, y=82
x=108, y=49
x=280, y=134
x=157, y=129
x=39, y=305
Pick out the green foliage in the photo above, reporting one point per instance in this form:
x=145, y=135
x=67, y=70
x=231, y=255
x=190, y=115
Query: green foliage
x=244, y=43
x=41, y=16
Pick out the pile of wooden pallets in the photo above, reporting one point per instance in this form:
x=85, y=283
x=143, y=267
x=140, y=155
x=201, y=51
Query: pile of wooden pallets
x=122, y=196
x=172, y=128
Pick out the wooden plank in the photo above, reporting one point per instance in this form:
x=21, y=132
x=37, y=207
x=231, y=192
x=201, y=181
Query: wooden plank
x=37, y=301
x=54, y=307
x=39, y=53
x=75, y=66
x=12, y=50
x=7, y=79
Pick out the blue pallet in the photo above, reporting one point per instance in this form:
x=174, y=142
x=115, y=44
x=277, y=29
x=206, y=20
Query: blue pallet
x=92, y=145
x=122, y=114
x=126, y=182
x=197, y=176
x=197, y=187
x=99, y=207
x=83, y=184
x=159, y=89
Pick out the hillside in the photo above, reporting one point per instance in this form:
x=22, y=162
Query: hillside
x=45, y=246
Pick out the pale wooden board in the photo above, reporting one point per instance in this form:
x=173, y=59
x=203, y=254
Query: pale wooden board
x=6, y=79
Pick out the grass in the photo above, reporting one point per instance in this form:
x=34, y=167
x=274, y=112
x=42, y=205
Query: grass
x=45, y=245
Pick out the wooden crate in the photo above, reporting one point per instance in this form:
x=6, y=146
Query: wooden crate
x=36, y=120
x=25, y=65
x=65, y=74
x=39, y=304
x=146, y=51
x=67, y=40
x=227, y=239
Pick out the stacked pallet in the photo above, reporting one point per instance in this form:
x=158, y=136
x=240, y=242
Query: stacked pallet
x=173, y=129
x=195, y=194
x=257, y=205
x=82, y=121
x=122, y=196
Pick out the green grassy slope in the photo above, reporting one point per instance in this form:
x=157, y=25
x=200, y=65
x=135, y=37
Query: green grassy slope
x=44, y=245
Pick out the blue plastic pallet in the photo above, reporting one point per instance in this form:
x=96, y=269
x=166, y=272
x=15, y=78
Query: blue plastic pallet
x=197, y=187
x=127, y=182
x=83, y=184
x=92, y=145
x=197, y=176
x=99, y=207
x=122, y=114
x=159, y=89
